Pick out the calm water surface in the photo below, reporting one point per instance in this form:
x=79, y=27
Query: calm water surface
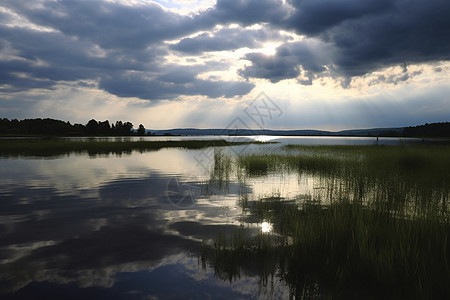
x=132, y=226
x=283, y=140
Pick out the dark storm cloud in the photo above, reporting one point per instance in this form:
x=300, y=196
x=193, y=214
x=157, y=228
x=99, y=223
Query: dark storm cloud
x=226, y=39
x=247, y=12
x=109, y=25
x=42, y=59
x=13, y=77
x=316, y=16
x=411, y=32
x=115, y=44
x=101, y=41
x=310, y=54
x=171, y=81
x=361, y=37
x=169, y=86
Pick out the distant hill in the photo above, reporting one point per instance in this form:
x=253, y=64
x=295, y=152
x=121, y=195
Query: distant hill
x=395, y=131
x=194, y=131
x=307, y=132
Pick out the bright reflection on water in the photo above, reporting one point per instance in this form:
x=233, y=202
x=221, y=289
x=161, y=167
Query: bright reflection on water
x=266, y=227
x=112, y=226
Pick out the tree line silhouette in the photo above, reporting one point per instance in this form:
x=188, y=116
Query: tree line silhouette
x=429, y=130
x=54, y=127
x=57, y=128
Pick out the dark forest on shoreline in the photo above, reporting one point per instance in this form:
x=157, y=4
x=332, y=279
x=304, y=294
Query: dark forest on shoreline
x=52, y=127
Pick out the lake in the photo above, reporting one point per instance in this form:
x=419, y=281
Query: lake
x=166, y=224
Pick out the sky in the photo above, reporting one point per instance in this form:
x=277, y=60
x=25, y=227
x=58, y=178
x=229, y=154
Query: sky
x=279, y=64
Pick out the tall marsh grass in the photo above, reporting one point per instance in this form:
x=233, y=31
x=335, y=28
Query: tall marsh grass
x=408, y=180
x=378, y=227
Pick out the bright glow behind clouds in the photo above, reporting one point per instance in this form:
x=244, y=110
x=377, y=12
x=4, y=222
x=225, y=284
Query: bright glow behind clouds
x=199, y=63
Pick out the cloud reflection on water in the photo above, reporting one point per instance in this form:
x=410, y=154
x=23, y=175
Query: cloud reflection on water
x=83, y=221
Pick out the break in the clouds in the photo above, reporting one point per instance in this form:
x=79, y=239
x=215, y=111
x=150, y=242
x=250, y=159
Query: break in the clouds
x=161, y=50
x=227, y=39
x=357, y=37
x=311, y=54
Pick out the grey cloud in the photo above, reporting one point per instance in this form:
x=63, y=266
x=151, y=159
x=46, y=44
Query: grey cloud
x=315, y=16
x=45, y=58
x=13, y=77
x=5, y=18
x=247, y=12
x=412, y=32
x=274, y=68
x=107, y=43
x=171, y=85
x=110, y=25
x=308, y=58
x=408, y=32
x=395, y=78
x=362, y=36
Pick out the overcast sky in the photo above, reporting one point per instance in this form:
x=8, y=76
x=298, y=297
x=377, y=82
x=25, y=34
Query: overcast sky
x=320, y=64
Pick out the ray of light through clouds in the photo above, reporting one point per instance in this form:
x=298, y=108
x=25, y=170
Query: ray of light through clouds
x=173, y=63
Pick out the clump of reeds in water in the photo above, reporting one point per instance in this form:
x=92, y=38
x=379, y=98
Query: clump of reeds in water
x=380, y=228
x=408, y=180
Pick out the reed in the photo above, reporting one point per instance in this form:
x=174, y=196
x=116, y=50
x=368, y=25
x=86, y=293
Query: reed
x=412, y=180
x=378, y=227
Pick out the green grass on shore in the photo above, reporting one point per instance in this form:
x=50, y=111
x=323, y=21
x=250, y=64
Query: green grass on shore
x=56, y=147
